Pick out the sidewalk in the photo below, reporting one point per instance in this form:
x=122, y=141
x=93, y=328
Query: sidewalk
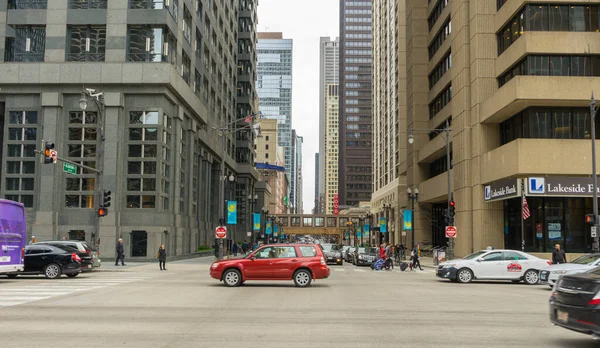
x=110, y=267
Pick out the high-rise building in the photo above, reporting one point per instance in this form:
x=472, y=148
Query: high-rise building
x=296, y=173
x=356, y=135
x=317, y=178
x=329, y=57
x=168, y=84
x=332, y=117
x=513, y=79
x=389, y=113
x=274, y=86
x=269, y=153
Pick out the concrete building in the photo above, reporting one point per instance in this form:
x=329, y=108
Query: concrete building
x=315, y=209
x=268, y=152
x=514, y=79
x=329, y=57
x=356, y=133
x=296, y=175
x=168, y=77
x=389, y=114
x=331, y=146
x=274, y=86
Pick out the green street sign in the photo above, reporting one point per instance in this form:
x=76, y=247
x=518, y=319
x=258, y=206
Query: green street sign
x=69, y=168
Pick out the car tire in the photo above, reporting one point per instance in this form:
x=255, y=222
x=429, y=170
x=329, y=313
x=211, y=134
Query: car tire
x=12, y=276
x=232, y=277
x=531, y=277
x=52, y=271
x=72, y=275
x=302, y=278
x=464, y=275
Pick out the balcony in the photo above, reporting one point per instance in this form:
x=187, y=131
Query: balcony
x=26, y=57
x=88, y=4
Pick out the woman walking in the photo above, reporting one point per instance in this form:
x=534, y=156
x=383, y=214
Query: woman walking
x=162, y=257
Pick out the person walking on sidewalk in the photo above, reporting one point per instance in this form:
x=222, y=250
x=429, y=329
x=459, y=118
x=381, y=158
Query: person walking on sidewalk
x=234, y=248
x=162, y=257
x=415, y=258
x=558, y=256
x=120, y=253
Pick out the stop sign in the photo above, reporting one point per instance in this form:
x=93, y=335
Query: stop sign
x=450, y=231
x=221, y=232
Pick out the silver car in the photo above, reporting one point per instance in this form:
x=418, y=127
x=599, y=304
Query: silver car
x=550, y=274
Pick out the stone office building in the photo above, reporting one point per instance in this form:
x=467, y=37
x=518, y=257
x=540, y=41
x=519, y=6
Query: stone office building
x=168, y=71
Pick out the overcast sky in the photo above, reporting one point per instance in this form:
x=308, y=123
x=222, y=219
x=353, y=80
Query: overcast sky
x=305, y=22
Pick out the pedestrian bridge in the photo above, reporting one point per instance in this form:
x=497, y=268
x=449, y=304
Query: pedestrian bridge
x=319, y=224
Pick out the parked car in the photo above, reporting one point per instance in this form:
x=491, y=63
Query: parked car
x=333, y=253
x=90, y=257
x=365, y=256
x=51, y=261
x=575, y=302
x=550, y=274
x=349, y=254
x=492, y=264
x=298, y=262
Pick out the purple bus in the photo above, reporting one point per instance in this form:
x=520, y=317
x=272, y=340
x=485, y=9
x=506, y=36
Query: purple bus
x=13, y=231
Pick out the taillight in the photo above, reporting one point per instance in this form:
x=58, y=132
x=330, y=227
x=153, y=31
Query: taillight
x=75, y=257
x=23, y=254
x=549, y=263
x=595, y=300
x=323, y=261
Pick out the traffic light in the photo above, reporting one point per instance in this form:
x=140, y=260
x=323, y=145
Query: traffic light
x=48, y=153
x=451, y=211
x=102, y=211
x=106, y=199
x=590, y=219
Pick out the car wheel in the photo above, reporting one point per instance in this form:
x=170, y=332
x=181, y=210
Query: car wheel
x=232, y=277
x=531, y=277
x=12, y=276
x=52, y=271
x=302, y=278
x=464, y=275
x=72, y=275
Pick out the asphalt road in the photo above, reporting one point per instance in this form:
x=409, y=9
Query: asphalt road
x=183, y=307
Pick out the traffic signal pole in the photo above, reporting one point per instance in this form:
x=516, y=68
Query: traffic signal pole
x=450, y=206
x=595, y=245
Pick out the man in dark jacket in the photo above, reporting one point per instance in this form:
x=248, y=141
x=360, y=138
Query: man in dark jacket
x=558, y=256
x=120, y=253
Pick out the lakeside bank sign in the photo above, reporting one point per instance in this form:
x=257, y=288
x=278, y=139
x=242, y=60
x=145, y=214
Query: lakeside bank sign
x=560, y=186
x=502, y=189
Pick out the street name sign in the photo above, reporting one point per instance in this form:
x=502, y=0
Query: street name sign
x=69, y=168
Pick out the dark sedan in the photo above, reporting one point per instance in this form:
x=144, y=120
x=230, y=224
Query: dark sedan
x=365, y=256
x=333, y=253
x=575, y=302
x=51, y=261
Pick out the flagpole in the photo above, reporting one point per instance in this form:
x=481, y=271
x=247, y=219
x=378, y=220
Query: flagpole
x=522, y=218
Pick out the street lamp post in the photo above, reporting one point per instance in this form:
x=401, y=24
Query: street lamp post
x=252, y=201
x=361, y=220
x=447, y=130
x=98, y=98
x=412, y=196
x=386, y=209
x=369, y=216
x=265, y=214
x=593, y=110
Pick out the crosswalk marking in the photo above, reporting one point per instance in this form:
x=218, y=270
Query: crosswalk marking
x=24, y=293
x=395, y=270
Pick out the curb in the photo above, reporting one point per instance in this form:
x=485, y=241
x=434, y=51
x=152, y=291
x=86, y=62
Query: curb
x=169, y=258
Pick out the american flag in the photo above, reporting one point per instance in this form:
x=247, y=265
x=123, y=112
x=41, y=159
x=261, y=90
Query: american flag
x=248, y=119
x=526, y=213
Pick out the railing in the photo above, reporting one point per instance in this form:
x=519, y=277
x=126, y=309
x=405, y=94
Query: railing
x=28, y=4
x=26, y=57
x=85, y=57
x=87, y=4
x=147, y=57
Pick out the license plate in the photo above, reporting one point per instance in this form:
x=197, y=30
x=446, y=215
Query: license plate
x=89, y=266
x=562, y=316
x=4, y=258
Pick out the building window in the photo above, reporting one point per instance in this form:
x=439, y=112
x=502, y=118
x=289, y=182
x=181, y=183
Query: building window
x=443, y=66
x=151, y=44
x=437, y=12
x=27, y=4
x=186, y=67
x=86, y=43
x=28, y=44
x=169, y=5
x=548, y=123
x=439, y=38
x=87, y=4
x=500, y=3
x=553, y=66
x=187, y=24
x=440, y=101
x=81, y=146
x=20, y=166
x=439, y=166
x=139, y=243
x=142, y=153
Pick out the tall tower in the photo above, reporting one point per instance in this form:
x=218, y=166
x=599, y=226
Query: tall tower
x=356, y=135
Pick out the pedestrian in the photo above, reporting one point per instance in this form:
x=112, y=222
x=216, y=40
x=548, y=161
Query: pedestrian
x=414, y=254
x=32, y=240
x=234, y=248
x=162, y=257
x=245, y=247
x=120, y=253
x=382, y=251
x=558, y=256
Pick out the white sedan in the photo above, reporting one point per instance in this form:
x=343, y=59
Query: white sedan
x=493, y=264
x=550, y=274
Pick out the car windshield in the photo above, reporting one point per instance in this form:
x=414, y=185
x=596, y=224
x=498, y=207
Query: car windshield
x=585, y=259
x=327, y=247
x=474, y=255
x=361, y=250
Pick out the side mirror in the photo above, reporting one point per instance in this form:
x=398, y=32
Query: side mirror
x=251, y=257
x=480, y=259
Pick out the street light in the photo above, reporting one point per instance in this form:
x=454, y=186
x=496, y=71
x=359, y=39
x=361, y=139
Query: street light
x=265, y=214
x=413, y=196
x=369, y=216
x=593, y=110
x=447, y=130
x=361, y=221
x=386, y=209
x=252, y=201
x=98, y=98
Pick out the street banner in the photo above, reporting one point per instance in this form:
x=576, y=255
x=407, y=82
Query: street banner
x=256, y=225
x=408, y=219
x=358, y=232
x=232, y=212
x=276, y=230
x=268, y=227
x=382, y=225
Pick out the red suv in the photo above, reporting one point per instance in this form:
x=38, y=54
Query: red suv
x=300, y=262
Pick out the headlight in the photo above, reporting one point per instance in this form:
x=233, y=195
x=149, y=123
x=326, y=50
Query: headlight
x=360, y=257
x=449, y=266
x=559, y=272
x=214, y=265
